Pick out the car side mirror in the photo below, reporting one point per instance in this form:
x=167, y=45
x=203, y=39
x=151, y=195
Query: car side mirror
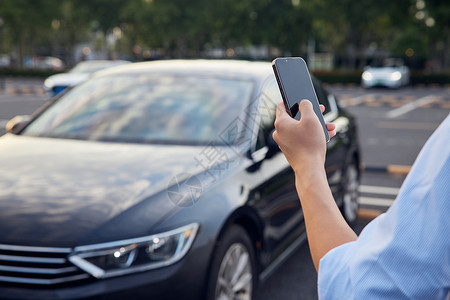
x=17, y=123
x=266, y=152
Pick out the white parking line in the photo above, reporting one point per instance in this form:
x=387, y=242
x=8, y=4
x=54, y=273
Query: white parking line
x=407, y=125
x=410, y=106
x=378, y=190
x=376, y=201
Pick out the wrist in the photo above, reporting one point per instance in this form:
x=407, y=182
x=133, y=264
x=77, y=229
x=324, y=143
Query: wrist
x=308, y=164
x=312, y=175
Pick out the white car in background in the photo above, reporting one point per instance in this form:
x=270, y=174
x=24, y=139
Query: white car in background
x=392, y=73
x=57, y=83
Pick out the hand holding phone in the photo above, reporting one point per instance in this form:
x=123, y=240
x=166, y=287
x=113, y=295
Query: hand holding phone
x=295, y=85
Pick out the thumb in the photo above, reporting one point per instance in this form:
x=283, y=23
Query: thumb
x=306, y=108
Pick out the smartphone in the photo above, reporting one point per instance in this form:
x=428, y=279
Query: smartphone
x=295, y=85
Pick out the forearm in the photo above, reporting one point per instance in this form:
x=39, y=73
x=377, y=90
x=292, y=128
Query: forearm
x=326, y=228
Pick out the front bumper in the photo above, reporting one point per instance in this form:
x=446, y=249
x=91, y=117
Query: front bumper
x=381, y=82
x=182, y=280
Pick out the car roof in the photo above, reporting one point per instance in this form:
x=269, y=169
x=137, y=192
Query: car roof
x=102, y=62
x=257, y=70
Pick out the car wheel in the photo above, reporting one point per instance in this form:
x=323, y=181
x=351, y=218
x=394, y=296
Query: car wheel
x=350, y=195
x=233, y=269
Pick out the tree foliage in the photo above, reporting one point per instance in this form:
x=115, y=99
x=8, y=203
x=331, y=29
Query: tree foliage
x=354, y=31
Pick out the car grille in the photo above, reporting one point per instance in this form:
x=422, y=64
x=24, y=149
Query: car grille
x=37, y=266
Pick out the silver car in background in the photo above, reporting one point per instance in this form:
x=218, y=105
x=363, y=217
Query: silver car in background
x=392, y=73
x=57, y=83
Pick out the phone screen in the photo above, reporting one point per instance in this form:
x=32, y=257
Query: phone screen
x=295, y=85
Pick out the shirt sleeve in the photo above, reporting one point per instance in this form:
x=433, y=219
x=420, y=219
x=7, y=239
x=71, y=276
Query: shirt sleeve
x=404, y=253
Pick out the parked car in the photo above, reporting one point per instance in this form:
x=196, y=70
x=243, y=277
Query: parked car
x=5, y=61
x=44, y=63
x=57, y=83
x=391, y=73
x=161, y=180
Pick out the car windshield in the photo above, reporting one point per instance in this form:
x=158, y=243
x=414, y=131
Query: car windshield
x=146, y=109
x=387, y=63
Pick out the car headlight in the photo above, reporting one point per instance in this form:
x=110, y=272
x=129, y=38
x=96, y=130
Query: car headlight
x=367, y=76
x=395, y=76
x=48, y=83
x=135, y=255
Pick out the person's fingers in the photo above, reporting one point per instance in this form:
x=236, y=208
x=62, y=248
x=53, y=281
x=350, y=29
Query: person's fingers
x=332, y=133
x=331, y=126
x=282, y=117
x=279, y=113
x=275, y=136
x=306, y=108
x=322, y=107
x=281, y=110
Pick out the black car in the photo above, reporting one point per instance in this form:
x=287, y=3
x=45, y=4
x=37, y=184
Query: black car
x=158, y=180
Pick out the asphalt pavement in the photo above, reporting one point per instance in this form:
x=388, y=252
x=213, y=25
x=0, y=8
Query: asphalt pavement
x=393, y=127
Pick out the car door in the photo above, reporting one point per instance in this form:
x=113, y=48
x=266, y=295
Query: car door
x=275, y=196
x=337, y=147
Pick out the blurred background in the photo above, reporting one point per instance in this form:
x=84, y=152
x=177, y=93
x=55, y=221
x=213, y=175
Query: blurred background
x=333, y=35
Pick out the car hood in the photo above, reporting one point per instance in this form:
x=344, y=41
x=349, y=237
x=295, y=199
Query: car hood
x=67, y=192
x=68, y=79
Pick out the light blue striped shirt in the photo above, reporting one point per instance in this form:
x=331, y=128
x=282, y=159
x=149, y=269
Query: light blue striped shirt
x=404, y=253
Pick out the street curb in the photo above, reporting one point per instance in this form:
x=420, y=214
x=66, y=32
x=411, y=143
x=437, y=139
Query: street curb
x=24, y=90
x=391, y=169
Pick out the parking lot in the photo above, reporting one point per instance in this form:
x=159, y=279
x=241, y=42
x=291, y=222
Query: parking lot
x=393, y=126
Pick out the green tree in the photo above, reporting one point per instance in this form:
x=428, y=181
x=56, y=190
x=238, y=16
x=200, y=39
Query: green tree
x=437, y=22
x=72, y=26
x=353, y=30
x=26, y=23
x=350, y=27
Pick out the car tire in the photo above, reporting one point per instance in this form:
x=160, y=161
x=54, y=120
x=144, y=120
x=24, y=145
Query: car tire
x=350, y=194
x=233, y=270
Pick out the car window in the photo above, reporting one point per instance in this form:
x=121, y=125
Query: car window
x=159, y=108
x=267, y=107
x=322, y=95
